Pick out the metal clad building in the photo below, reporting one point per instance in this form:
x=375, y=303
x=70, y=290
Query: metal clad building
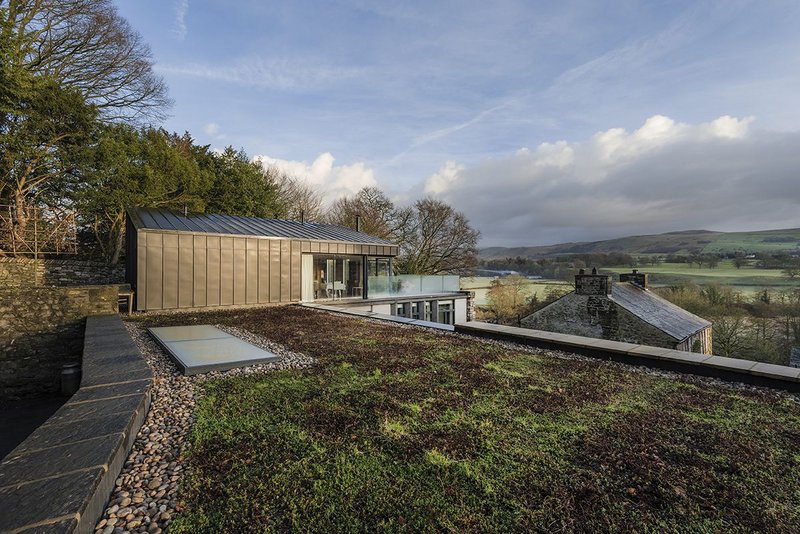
x=204, y=260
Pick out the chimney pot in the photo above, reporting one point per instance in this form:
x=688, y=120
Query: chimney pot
x=636, y=278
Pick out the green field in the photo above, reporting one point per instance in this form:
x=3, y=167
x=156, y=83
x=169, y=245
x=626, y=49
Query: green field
x=481, y=284
x=772, y=241
x=747, y=279
x=725, y=269
x=693, y=241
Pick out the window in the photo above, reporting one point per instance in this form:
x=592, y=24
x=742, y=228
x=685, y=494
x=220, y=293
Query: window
x=337, y=276
x=380, y=266
x=446, y=312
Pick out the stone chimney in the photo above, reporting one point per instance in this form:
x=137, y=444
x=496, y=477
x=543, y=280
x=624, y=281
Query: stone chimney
x=593, y=284
x=636, y=278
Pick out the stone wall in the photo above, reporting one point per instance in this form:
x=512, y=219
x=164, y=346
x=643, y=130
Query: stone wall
x=470, y=304
x=26, y=272
x=41, y=328
x=597, y=317
x=59, y=479
x=593, y=284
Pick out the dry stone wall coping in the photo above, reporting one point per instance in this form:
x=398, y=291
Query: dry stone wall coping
x=60, y=477
x=731, y=369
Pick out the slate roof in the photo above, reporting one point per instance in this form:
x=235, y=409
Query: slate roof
x=159, y=219
x=659, y=312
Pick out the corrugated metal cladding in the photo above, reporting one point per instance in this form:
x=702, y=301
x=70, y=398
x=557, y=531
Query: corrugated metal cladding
x=193, y=269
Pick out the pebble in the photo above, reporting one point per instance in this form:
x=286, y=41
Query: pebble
x=146, y=496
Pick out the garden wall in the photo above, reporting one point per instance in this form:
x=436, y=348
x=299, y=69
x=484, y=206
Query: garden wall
x=26, y=272
x=41, y=328
x=59, y=479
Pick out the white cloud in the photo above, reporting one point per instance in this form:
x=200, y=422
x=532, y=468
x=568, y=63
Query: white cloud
x=282, y=74
x=441, y=181
x=664, y=176
x=333, y=181
x=180, y=30
x=212, y=128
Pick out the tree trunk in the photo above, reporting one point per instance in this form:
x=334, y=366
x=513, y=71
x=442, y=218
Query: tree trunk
x=118, y=237
x=19, y=224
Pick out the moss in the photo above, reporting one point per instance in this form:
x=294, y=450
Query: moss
x=414, y=431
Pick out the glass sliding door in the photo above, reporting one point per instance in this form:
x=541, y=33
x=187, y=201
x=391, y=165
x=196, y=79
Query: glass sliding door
x=337, y=277
x=380, y=282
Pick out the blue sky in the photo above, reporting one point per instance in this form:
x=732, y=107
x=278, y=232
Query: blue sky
x=437, y=97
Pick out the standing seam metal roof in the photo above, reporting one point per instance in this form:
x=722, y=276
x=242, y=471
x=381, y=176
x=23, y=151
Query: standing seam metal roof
x=159, y=219
x=659, y=312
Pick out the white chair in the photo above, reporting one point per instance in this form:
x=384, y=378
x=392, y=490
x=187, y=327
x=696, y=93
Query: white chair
x=338, y=288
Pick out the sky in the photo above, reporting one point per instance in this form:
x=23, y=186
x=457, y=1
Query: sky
x=542, y=122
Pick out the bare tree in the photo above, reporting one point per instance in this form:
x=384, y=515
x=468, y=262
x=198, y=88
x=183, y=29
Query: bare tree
x=300, y=200
x=739, y=260
x=378, y=213
x=432, y=236
x=86, y=45
x=509, y=299
x=440, y=241
x=730, y=335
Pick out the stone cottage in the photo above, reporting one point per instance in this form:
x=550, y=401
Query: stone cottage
x=625, y=311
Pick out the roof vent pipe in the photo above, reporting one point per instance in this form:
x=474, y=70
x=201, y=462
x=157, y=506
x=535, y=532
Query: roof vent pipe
x=358, y=223
x=302, y=217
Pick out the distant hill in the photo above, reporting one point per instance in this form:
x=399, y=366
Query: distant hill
x=686, y=242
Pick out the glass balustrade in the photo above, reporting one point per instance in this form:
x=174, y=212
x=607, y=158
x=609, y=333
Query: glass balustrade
x=404, y=285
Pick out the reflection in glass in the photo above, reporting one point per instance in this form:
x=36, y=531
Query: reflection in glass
x=337, y=276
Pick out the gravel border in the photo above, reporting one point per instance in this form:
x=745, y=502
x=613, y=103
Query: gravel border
x=145, y=495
